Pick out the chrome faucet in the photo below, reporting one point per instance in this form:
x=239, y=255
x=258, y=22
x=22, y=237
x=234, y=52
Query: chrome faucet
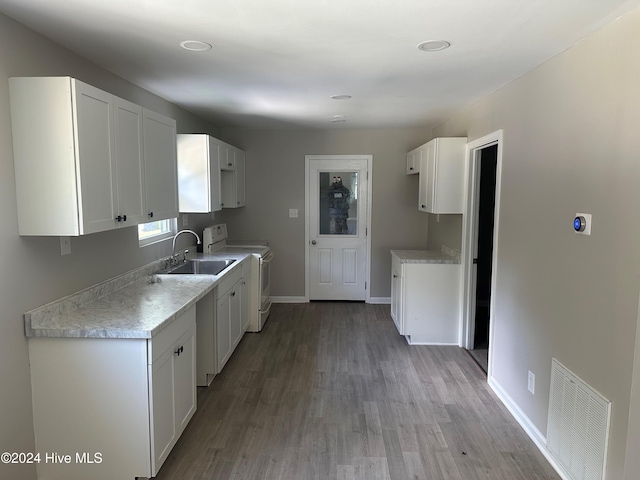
x=173, y=260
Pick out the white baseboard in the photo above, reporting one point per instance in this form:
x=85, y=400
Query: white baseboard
x=380, y=300
x=528, y=426
x=289, y=300
x=285, y=299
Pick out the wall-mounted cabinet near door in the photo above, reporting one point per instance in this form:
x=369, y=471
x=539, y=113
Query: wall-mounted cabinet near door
x=87, y=161
x=442, y=175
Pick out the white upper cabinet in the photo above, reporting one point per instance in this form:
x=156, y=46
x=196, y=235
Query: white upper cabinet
x=442, y=175
x=210, y=174
x=160, y=166
x=413, y=161
x=199, y=173
x=78, y=154
x=129, y=162
x=232, y=181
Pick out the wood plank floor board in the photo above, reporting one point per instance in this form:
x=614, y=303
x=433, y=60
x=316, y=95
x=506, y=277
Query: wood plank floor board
x=330, y=391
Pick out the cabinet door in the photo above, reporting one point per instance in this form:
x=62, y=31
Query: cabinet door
x=232, y=181
x=397, y=294
x=163, y=409
x=241, y=200
x=185, y=380
x=161, y=177
x=214, y=175
x=413, y=162
x=223, y=329
x=129, y=162
x=246, y=282
x=227, y=157
x=427, y=178
x=235, y=312
x=95, y=158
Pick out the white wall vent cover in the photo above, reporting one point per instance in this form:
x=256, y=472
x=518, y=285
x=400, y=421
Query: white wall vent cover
x=578, y=425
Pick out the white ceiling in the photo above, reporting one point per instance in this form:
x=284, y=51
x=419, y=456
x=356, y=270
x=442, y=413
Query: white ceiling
x=275, y=63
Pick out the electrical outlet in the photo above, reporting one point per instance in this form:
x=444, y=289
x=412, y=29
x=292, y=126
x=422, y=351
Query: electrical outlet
x=185, y=220
x=532, y=382
x=293, y=213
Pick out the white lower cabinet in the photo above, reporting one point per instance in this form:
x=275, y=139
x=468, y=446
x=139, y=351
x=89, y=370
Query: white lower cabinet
x=222, y=319
x=116, y=406
x=172, y=378
x=229, y=329
x=425, y=301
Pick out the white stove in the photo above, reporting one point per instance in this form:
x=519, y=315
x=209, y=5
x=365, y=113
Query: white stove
x=214, y=240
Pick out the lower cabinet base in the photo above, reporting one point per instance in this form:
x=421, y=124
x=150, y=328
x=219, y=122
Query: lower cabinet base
x=90, y=397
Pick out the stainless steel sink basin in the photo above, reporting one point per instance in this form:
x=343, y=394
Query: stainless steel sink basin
x=199, y=267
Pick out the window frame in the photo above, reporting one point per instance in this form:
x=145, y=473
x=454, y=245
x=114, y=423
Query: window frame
x=171, y=223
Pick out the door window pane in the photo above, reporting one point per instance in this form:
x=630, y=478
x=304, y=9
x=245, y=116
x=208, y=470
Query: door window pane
x=338, y=203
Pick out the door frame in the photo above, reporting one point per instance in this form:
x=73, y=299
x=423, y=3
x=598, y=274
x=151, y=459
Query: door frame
x=367, y=223
x=467, y=306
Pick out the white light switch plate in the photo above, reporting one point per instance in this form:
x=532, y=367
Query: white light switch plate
x=65, y=245
x=293, y=213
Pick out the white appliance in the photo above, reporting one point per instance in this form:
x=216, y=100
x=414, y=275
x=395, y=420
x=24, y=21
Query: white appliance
x=214, y=240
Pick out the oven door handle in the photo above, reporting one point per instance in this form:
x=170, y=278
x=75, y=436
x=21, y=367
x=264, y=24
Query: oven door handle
x=267, y=258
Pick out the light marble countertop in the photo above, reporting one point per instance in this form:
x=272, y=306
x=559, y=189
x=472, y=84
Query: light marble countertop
x=424, y=256
x=138, y=304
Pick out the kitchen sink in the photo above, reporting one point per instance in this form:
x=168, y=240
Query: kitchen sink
x=199, y=267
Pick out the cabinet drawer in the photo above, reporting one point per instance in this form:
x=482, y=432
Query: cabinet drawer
x=170, y=334
x=230, y=279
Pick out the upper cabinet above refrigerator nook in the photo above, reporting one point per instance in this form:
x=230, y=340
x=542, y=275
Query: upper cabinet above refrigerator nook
x=440, y=165
x=199, y=173
x=80, y=158
x=210, y=174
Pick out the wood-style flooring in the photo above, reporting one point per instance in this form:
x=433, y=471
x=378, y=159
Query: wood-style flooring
x=329, y=390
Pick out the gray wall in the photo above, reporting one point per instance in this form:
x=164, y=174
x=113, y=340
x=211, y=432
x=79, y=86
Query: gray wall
x=571, y=144
x=275, y=183
x=33, y=272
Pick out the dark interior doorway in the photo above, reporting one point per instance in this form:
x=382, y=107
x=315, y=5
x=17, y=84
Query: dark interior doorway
x=487, y=164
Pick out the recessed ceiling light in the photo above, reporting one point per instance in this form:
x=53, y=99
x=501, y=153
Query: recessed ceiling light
x=195, y=45
x=338, y=118
x=434, y=45
x=341, y=97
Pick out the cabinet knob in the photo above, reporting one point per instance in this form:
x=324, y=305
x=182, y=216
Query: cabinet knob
x=395, y=276
x=424, y=206
x=121, y=218
x=124, y=218
x=410, y=168
x=313, y=242
x=150, y=214
x=233, y=294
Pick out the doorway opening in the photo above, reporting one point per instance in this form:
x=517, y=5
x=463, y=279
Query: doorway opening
x=488, y=158
x=480, y=246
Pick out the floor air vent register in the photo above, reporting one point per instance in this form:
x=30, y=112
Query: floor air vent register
x=578, y=425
